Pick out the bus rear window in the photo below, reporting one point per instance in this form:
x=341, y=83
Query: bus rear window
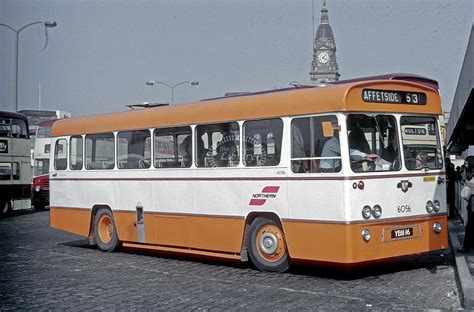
x=421, y=144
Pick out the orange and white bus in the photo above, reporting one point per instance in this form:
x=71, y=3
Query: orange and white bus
x=311, y=173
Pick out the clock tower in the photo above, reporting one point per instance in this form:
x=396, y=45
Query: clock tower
x=324, y=67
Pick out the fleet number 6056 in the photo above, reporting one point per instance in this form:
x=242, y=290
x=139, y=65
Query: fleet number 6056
x=403, y=208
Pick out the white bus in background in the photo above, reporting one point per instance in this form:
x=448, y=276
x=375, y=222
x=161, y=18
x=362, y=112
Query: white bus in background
x=41, y=155
x=15, y=163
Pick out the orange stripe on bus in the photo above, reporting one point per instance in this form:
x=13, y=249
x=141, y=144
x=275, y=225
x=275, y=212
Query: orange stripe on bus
x=333, y=98
x=306, y=240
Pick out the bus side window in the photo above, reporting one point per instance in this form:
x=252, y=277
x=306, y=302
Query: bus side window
x=134, y=149
x=100, y=151
x=76, y=153
x=60, y=154
x=218, y=145
x=312, y=149
x=262, y=142
x=172, y=147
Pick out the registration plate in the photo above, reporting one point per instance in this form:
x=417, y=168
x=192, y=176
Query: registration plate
x=399, y=233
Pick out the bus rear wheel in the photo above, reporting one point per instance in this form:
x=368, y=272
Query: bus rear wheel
x=105, y=230
x=5, y=208
x=268, y=250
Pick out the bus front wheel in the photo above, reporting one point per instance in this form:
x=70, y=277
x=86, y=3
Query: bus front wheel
x=105, y=230
x=268, y=250
x=5, y=208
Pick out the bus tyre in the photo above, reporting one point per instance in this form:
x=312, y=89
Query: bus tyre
x=105, y=230
x=5, y=208
x=268, y=249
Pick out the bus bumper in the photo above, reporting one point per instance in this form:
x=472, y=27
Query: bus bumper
x=349, y=243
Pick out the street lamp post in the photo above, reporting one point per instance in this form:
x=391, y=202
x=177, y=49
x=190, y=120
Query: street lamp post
x=153, y=82
x=47, y=24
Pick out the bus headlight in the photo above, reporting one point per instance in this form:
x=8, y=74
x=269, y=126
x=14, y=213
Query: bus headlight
x=366, y=212
x=377, y=211
x=366, y=235
x=38, y=188
x=437, y=205
x=429, y=206
x=437, y=228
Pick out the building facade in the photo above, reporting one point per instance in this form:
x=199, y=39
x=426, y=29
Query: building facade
x=324, y=67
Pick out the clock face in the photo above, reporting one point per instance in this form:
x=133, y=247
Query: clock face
x=323, y=57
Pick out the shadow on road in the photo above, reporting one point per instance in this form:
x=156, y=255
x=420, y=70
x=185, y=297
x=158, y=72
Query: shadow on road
x=431, y=262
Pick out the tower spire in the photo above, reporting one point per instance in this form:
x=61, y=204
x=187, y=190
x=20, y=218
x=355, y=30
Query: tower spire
x=324, y=67
x=324, y=14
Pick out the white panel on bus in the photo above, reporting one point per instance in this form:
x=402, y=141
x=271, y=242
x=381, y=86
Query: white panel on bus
x=316, y=200
x=219, y=197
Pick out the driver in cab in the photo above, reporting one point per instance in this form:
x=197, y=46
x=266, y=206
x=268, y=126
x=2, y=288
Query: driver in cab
x=332, y=150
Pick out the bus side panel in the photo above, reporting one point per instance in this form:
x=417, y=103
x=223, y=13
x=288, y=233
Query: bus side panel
x=125, y=222
x=220, y=233
x=173, y=203
x=178, y=230
x=316, y=241
x=74, y=220
x=217, y=205
x=99, y=192
x=321, y=201
x=174, y=230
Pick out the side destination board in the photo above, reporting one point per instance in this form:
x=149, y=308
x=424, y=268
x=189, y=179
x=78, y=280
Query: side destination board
x=393, y=97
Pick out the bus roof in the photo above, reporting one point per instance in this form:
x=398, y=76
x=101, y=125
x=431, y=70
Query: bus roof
x=340, y=97
x=397, y=76
x=394, y=76
x=46, y=123
x=12, y=115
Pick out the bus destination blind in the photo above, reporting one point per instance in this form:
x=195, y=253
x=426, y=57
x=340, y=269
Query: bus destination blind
x=393, y=97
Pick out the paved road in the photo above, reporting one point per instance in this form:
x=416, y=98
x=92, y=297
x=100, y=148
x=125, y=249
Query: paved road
x=43, y=268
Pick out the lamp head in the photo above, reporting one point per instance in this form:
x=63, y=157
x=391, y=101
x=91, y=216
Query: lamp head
x=150, y=83
x=50, y=24
x=194, y=83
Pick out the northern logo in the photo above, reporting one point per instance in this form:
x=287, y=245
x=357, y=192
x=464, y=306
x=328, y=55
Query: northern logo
x=258, y=199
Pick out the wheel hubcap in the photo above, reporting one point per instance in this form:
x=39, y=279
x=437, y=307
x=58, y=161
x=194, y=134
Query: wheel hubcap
x=106, y=229
x=270, y=243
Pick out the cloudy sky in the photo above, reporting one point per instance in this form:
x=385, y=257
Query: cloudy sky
x=102, y=52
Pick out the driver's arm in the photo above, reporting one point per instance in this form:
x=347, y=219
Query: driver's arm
x=357, y=155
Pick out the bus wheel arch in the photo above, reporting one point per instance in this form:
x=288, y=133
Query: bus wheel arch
x=265, y=243
x=104, y=229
